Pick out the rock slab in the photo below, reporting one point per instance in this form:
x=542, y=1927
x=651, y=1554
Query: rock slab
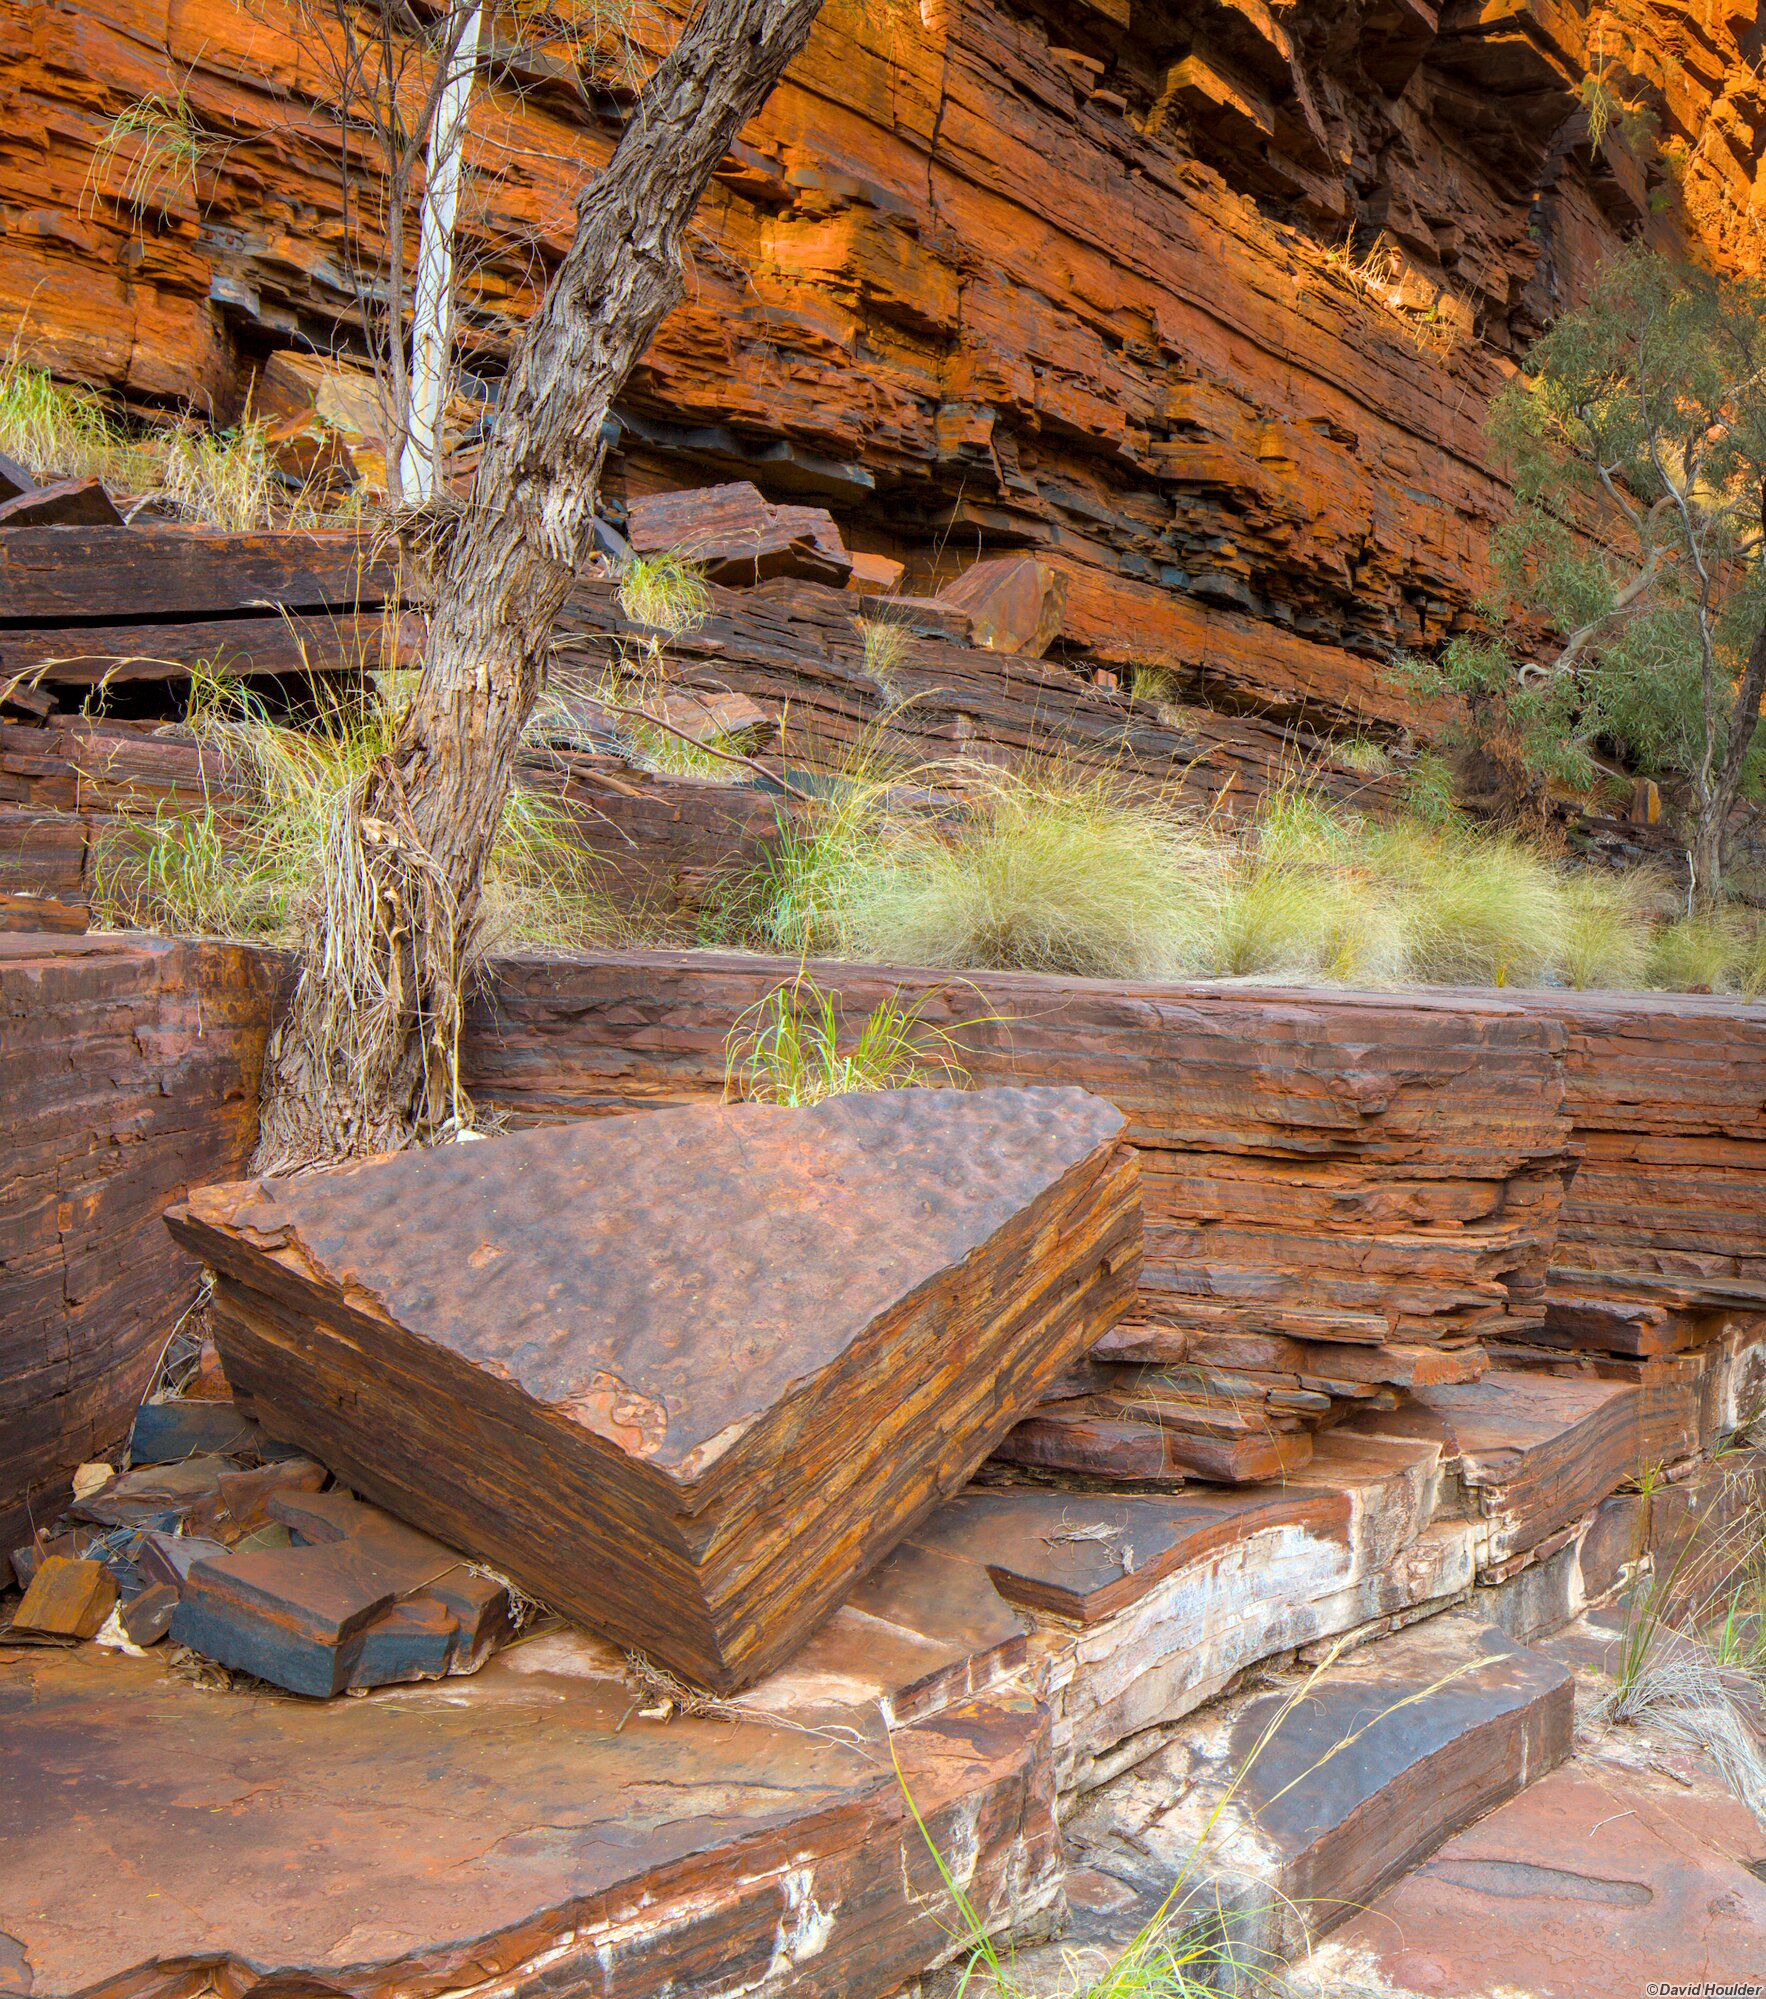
x=524, y=1836
x=685, y=1377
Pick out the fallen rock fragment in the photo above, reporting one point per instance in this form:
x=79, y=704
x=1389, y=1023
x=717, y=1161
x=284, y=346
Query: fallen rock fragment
x=148, y=1617
x=1015, y=603
x=684, y=1377
x=66, y=1599
x=1345, y=1194
x=324, y=419
x=159, y=1496
x=166, y=1432
x=738, y=536
x=71, y=503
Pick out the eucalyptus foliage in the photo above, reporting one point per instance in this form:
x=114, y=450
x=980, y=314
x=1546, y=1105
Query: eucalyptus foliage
x=1636, y=438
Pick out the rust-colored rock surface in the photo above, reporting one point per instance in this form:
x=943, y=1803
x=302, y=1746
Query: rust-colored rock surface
x=80, y=605
x=685, y=1377
x=525, y=1834
x=1599, y=1880
x=1345, y=1170
x=128, y=1074
x=1668, y=1098
x=1201, y=305
x=734, y=535
x=1658, y=1278
x=798, y=646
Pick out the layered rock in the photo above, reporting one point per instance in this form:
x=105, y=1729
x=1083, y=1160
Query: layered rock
x=685, y=1377
x=1362, y=1176
x=80, y=606
x=522, y=1835
x=128, y=1074
x=1202, y=304
x=1658, y=1278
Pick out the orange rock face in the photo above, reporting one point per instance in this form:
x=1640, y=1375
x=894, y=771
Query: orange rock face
x=1202, y=304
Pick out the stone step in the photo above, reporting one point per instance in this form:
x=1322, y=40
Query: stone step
x=1532, y=1452
x=538, y=1828
x=1277, y=1814
x=1598, y=1881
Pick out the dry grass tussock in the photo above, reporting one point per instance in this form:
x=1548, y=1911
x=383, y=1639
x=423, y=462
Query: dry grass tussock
x=1692, y=1663
x=212, y=478
x=1059, y=869
x=251, y=861
x=1062, y=872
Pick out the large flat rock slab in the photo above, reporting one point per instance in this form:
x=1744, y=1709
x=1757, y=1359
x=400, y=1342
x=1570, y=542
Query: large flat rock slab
x=1346, y=1171
x=519, y=1834
x=1595, y=1882
x=685, y=1377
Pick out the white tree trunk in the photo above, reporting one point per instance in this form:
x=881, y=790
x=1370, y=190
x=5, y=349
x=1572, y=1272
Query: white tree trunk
x=432, y=308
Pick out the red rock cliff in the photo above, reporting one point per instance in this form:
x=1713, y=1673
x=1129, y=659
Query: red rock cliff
x=1203, y=299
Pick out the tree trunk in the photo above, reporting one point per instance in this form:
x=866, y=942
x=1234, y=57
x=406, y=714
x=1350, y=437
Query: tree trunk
x=368, y=1056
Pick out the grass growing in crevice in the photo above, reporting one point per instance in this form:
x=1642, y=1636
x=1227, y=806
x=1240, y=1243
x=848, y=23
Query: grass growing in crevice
x=792, y=1047
x=1479, y=910
x=634, y=691
x=668, y=597
x=55, y=430
x=212, y=477
x=665, y=593
x=1692, y=1659
x=1362, y=755
x=250, y=865
x=1194, y=1945
x=886, y=641
x=157, y=144
x=1604, y=935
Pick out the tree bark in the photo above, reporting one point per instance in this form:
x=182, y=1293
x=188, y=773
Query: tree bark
x=368, y=1056
x=1707, y=857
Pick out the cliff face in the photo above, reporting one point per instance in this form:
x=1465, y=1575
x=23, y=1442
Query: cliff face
x=1202, y=298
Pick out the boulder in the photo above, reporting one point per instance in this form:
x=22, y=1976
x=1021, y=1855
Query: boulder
x=684, y=1377
x=1015, y=603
